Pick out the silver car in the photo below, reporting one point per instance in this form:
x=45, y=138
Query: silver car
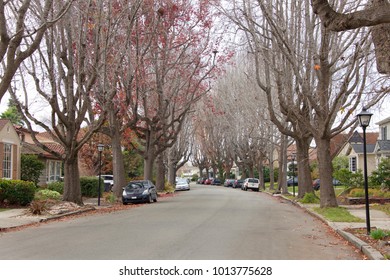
x=251, y=183
x=182, y=184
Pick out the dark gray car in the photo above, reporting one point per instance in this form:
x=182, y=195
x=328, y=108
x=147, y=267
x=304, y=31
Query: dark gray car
x=139, y=191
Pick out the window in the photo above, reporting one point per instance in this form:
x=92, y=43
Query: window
x=352, y=164
x=54, y=171
x=384, y=133
x=7, y=161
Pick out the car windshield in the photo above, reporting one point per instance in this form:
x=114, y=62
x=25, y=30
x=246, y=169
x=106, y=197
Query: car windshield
x=253, y=181
x=134, y=186
x=181, y=181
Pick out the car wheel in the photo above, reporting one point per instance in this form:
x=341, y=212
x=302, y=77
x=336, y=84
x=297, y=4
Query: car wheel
x=155, y=200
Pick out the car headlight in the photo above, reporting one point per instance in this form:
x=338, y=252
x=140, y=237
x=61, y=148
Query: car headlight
x=124, y=193
x=146, y=191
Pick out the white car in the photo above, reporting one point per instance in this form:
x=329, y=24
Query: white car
x=182, y=184
x=251, y=183
x=108, y=182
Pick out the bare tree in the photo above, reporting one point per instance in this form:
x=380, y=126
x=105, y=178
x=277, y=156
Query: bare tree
x=22, y=26
x=179, y=154
x=303, y=72
x=376, y=14
x=65, y=74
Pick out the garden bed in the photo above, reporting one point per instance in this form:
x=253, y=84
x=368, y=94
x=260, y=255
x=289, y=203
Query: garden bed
x=362, y=200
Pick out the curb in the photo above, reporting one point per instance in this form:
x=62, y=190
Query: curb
x=77, y=212
x=370, y=252
x=50, y=218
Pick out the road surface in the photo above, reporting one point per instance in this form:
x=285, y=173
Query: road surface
x=205, y=223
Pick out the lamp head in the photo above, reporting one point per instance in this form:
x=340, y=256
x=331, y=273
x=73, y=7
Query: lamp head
x=364, y=118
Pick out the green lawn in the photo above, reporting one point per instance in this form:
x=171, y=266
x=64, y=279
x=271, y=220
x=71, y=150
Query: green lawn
x=382, y=207
x=337, y=214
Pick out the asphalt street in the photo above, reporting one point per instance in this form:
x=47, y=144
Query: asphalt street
x=205, y=223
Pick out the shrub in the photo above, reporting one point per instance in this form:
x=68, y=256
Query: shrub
x=17, y=191
x=111, y=198
x=381, y=176
x=47, y=194
x=90, y=185
x=379, y=234
x=37, y=207
x=56, y=186
x=310, y=198
x=194, y=178
x=168, y=188
x=349, y=178
x=31, y=168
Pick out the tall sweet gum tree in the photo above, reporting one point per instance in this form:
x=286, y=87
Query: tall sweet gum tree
x=67, y=75
x=173, y=58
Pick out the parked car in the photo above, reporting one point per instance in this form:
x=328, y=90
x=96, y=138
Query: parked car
x=228, y=183
x=182, y=184
x=316, y=183
x=139, y=191
x=216, y=182
x=201, y=180
x=238, y=183
x=208, y=181
x=292, y=181
x=251, y=183
x=108, y=182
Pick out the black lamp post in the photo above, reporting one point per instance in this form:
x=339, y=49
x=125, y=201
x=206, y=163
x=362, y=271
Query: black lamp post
x=293, y=166
x=100, y=149
x=364, y=120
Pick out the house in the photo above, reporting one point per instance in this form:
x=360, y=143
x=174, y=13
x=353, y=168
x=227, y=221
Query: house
x=53, y=165
x=353, y=149
x=382, y=147
x=10, y=147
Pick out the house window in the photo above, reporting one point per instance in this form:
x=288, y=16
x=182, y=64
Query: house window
x=7, y=161
x=54, y=171
x=384, y=133
x=352, y=164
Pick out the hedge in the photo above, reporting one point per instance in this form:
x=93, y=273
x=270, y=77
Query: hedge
x=17, y=191
x=89, y=186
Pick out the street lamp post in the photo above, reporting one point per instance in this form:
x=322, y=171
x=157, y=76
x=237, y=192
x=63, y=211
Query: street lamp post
x=100, y=149
x=364, y=118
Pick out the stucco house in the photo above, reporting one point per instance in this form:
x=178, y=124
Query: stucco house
x=382, y=147
x=10, y=147
x=353, y=149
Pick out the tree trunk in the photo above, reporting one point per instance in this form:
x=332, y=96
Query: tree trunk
x=72, y=189
x=160, y=174
x=172, y=163
x=282, y=180
x=148, y=167
x=381, y=38
x=304, y=176
x=271, y=166
x=327, y=194
x=261, y=173
x=118, y=165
